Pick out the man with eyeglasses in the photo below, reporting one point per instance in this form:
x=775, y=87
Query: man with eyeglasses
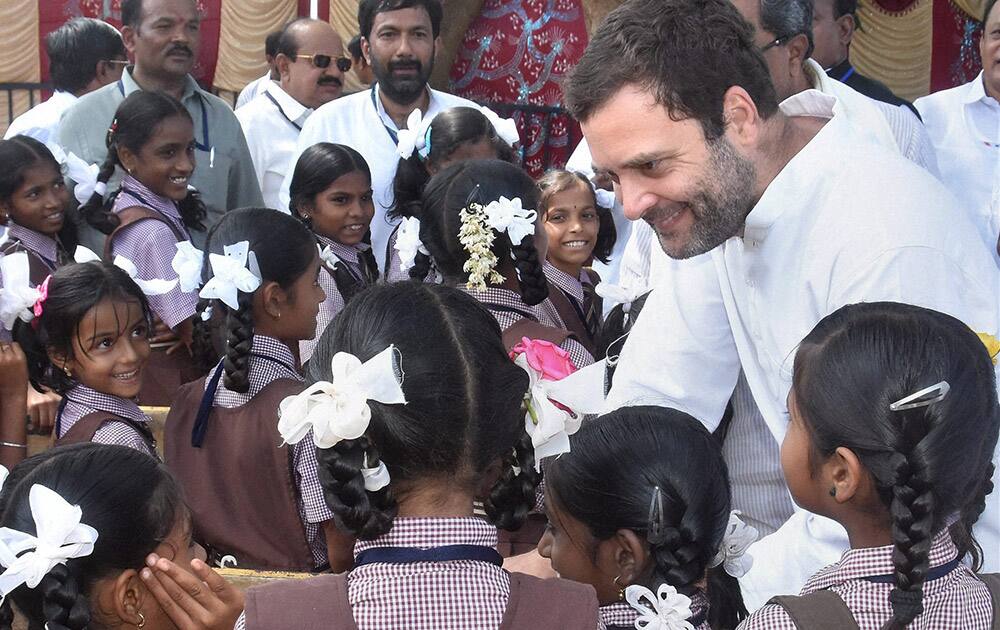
x=311, y=65
x=400, y=39
x=84, y=54
x=163, y=37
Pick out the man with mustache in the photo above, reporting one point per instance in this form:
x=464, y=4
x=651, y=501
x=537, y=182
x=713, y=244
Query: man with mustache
x=774, y=216
x=399, y=39
x=311, y=63
x=163, y=37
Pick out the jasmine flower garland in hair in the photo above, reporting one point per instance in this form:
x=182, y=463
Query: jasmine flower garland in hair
x=476, y=238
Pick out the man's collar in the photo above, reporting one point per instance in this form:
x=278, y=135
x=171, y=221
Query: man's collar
x=976, y=91
x=293, y=109
x=380, y=108
x=129, y=85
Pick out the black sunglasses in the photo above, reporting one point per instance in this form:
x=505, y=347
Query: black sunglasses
x=323, y=61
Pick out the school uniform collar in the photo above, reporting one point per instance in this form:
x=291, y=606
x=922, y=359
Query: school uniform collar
x=91, y=398
x=129, y=85
x=347, y=253
x=163, y=205
x=294, y=111
x=42, y=244
x=618, y=615
x=566, y=282
x=274, y=350
x=429, y=532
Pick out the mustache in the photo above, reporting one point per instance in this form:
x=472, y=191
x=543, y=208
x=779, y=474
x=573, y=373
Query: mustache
x=411, y=64
x=330, y=81
x=180, y=48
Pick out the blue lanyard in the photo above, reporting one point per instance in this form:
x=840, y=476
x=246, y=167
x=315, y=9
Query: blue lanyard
x=282, y=111
x=392, y=132
x=847, y=75
x=207, y=145
x=448, y=553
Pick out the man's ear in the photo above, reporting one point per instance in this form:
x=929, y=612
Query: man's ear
x=281, y=61
x=797, y=48
x=366, y=50
x=845, y=29
x=129, y=34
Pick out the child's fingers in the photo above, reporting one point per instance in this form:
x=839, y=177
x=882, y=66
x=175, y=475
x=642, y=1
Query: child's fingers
x=216, y=583
x=167, y=602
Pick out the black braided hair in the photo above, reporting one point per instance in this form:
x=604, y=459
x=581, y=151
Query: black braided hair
x=480, y=181
x=961, y=531
x=631, y=469
x=95, y=211
x=64, y=605
x=927, y=462
x=463, y=411
x=284, y=250
x=422, y=265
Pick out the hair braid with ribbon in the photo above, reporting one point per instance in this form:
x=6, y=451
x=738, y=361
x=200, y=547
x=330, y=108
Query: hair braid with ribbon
x=367, y=513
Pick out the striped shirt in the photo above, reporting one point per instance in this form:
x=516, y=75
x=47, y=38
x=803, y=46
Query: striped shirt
x=509, y=308
x=347, y=256
x=622, y=615
x=151, y=246
x=271, y=360
x=82, y=401
x=956, y=600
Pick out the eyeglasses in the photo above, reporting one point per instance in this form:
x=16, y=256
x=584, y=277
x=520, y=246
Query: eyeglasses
x=118, y=62
x=323, y=61
x=781, y=41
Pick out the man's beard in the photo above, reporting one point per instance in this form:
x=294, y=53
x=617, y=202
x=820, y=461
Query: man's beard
x=724, y=198
x=403, y=90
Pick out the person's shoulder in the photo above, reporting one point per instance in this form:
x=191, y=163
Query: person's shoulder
x=103, y=99
x=252, y=110
x=453, y=100
x=942, y=99
x=343, y=105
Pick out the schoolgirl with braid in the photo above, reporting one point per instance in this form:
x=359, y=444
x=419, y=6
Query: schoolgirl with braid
x=628, y=516
x=894, y=418
x=152, y=139
x=417, y=412
x=479, y=225
x=331, y=193
x=251, y=497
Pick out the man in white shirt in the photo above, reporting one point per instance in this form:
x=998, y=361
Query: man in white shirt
x=798, y=213
x=311, y=63
x=84, y=54
x=964, y=125
x=257, y=86
x=400, y=38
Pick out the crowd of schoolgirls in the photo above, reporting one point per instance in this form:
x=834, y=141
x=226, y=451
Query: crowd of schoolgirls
x=390, y=422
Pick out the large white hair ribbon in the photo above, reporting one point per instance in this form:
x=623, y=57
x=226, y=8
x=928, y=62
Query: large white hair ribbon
x=17, y=296
x=604, y=198
x=59, y=536
x=408, y=243
x=506, y=128
x=732, y=553
x=667, y=610
x=507, y=215
x=187, y=264
x=156, y=286
x=414, y=137
x=235, y=272
x=617, y=294
x=338, y=409
x=556, y=408
x=84, y=174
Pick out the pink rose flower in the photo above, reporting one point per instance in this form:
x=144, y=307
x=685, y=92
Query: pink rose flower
x=43, y=294
x=548, y=359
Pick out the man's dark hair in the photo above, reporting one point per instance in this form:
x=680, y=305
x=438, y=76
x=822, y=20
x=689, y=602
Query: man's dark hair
x=787, y=18
x=271, y=43
x=131, y=13
x=354, y=47
x=687, y=53
x=989, y=9
x=76, y=47
x=368, y=9
x=848, y=7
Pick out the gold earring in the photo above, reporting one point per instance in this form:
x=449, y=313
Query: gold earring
x=142, y=619
x=66, y=370
x=621, y=589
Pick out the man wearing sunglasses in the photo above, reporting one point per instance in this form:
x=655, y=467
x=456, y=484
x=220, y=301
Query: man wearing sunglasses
x=311, y=64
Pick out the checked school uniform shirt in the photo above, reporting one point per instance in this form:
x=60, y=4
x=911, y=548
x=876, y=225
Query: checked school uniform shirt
x=622, y=615
x=347, y=256
x=82, y=400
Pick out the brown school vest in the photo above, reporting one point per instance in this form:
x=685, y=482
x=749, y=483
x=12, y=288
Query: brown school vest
x=83, y=430
x=128, y=216
x=825, y=610
x=240, y=484
x=571, y=318
x=37, y=269
x=322, y=602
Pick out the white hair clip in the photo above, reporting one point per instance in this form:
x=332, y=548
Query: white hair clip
x=507, y=215
x=59, y=536
x=155, y=286
x=84, y=174
x=618, y=294
x=506, y=128
x=605, y=198
x=666, y=610
x=234, y=273
x=376, y=477
x=733, y=554
x=17, y=296
x=329, y=259
x=338, y=409
x=408, y=243
x=923, y=398
x=414, y=137
x=187, y=264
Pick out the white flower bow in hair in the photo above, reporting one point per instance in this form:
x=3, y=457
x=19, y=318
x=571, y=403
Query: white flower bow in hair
x=413, y=137
x=506, y=128
x=550, y=425
x=84, y=174
x=233, y=273
x=338, y=410
x=408, y=243
x=17, y=296
x=618, y=294
x=507, y=215
x=329, y=259
x=60, y=536
x=605, y=198
x=187, y=264
x=667, y=610
x=155, y=286
x=733, y=554
x=376, y=477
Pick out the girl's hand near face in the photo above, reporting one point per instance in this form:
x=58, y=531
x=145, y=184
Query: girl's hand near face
x=197, y=600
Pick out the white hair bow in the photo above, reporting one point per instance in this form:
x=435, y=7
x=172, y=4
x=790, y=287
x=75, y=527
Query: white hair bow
x=408, y=243
x=155, y=286
x=338, y=410
x=549, y=424
x=60, y=536
x=733, y=554
x=233, y=273
x=413, y=138
x=17, y=296
x=84, y=174
x=667, y=610
x=330, y=259
x=187, y=264
x=605, y=198
x=618, y=294
x=507, y=215
x=506, y=128
x=376, y=477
